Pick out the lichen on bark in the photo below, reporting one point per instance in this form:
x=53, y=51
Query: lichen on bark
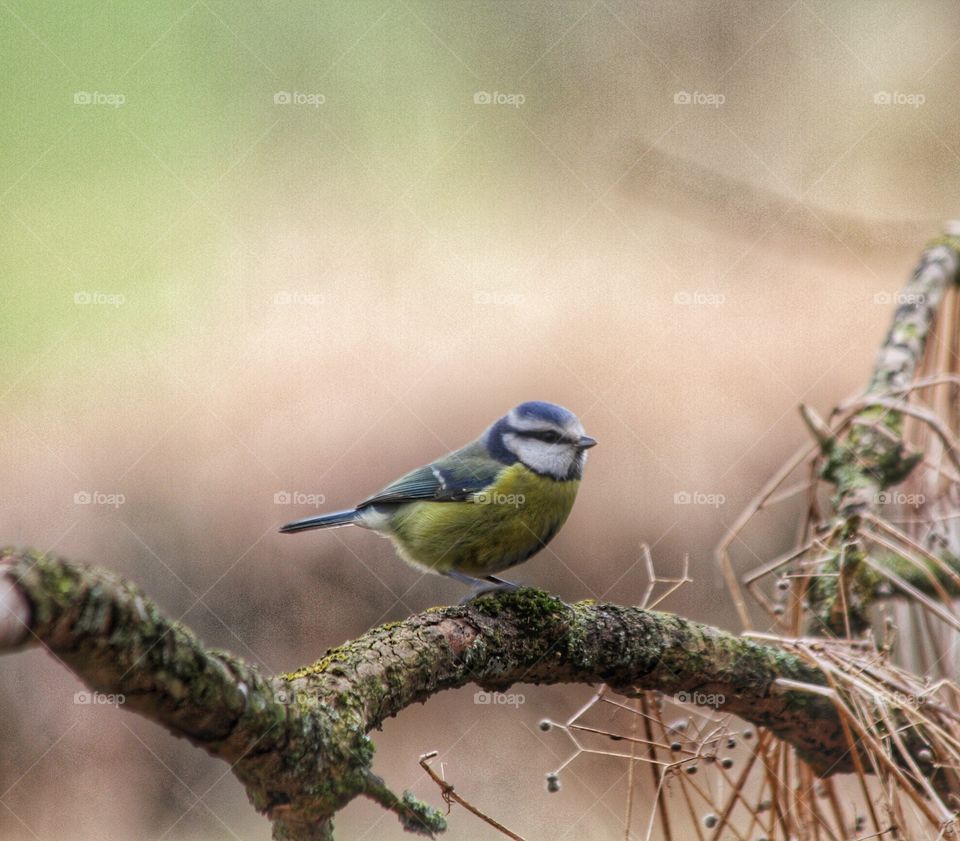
x=299, y=741
x=872, y=455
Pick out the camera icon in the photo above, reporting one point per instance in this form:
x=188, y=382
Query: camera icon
x=882, y=98
x=682, y=98
x=82, y=498
x=482, y=98
x=82, y=298
x=883, y=298
x=682, y=498
x=82, y=98
x=482, y=697
x=282, y=98
x=884, y=498
x=282, y=498
x=82, y=698
x=682, y=298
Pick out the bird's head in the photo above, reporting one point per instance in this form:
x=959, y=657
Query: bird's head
x=544, y=437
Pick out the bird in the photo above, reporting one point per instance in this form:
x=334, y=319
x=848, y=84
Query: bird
x=484, y=508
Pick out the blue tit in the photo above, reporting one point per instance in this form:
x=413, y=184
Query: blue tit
x=483, y=508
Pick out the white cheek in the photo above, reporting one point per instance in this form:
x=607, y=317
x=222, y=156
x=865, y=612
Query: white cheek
x=540, y=456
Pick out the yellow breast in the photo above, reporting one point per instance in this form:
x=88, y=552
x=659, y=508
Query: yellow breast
x=505, y=524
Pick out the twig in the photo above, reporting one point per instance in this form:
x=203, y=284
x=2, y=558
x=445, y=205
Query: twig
x=448, y=794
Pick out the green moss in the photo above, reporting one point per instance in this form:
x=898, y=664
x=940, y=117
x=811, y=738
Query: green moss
x=340, y=654
x=872, y=454
x=389, y=626
x=861, y=586
x=415, y=816
x=920, y=576
x=423, y=819
x=870, y=458
x=526, y=605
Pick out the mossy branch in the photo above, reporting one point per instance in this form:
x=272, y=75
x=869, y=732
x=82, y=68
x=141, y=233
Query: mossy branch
x=872, y=455
x=298, y=742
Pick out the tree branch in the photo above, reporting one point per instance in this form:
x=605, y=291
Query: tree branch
x=872, y=454
x=298, y=742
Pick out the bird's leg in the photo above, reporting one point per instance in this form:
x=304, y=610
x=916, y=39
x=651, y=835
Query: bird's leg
x=501, y=583
x=469, y=580
x=481, y=586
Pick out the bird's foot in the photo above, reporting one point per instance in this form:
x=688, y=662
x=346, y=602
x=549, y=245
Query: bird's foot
x=482, y=586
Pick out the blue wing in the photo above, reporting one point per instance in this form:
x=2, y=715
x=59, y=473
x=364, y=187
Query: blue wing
x=453, y=478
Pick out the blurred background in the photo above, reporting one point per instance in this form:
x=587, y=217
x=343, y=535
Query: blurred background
x=261, y=258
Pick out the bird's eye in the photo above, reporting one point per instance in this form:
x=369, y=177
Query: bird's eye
x=550, y=437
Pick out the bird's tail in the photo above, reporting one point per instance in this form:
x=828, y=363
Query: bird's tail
x=322, y=521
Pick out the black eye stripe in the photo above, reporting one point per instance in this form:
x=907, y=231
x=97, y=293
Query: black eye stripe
x=546, y=435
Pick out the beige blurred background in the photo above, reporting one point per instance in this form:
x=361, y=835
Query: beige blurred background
x=272, y=250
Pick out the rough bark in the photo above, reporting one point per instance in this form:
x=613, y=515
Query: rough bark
x=872, y=455
x=298, y=742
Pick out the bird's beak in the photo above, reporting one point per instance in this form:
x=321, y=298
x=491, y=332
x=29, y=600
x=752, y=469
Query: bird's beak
x=586, y=442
